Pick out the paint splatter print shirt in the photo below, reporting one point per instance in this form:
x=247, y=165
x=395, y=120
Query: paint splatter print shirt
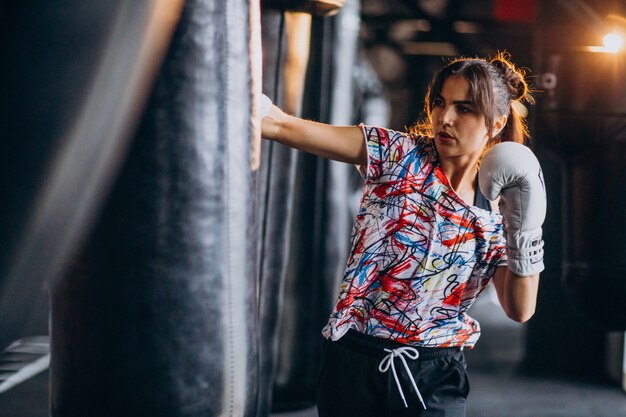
x=420, y=255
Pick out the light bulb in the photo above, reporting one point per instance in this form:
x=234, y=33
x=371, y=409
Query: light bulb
x=613, y=42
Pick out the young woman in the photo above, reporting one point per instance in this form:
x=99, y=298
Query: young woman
x=426, y=241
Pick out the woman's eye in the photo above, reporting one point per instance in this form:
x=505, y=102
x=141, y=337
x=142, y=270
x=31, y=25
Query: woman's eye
x=437, y=102
x=465, y=109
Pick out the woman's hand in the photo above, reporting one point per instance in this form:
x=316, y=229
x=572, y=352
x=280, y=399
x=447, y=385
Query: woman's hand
x=340, y=143
x=512, y=172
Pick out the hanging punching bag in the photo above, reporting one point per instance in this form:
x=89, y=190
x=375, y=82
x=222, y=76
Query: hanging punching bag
x=75, y=76
x=158, y=315
x=322, y=214
x=285, y=46
x=586, y=115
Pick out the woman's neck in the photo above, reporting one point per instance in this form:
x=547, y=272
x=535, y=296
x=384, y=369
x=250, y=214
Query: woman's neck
x=461, y=175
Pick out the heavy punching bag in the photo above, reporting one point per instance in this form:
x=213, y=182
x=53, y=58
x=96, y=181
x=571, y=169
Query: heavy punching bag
x=585, y=118
x=580, y=132
x=322, y=214
x=74, y=77
x=157, y=316
x=285, y=57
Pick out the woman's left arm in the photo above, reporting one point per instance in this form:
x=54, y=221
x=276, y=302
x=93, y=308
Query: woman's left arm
x=517, y=294
x=512, y=172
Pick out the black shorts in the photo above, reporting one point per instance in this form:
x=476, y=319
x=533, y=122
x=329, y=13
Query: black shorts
x=351, y=383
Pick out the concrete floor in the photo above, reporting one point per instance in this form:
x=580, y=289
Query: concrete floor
x=497, y=388
x=515, y=396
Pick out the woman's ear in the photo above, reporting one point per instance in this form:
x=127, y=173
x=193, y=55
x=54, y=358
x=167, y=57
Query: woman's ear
x=498, y=125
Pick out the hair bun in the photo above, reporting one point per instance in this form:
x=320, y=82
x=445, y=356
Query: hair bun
x=513, y=77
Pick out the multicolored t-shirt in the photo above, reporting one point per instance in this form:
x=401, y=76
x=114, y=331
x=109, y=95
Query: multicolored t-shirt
x=420, y=255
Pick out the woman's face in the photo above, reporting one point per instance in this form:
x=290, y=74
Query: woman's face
x=458, y=126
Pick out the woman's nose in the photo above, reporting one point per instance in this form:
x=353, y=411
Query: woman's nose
x=447, y=117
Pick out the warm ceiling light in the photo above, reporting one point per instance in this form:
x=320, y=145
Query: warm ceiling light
x=613, y=42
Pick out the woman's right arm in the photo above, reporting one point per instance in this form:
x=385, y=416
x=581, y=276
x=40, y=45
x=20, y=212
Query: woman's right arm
x=517, y=294
x=340, y=143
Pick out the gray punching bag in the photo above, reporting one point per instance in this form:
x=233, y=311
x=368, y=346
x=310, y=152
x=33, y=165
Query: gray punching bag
x=592, y=151
x=322, y=214
x=581, y=132
x=285, y=56
x=75, y=76
x=158, y=315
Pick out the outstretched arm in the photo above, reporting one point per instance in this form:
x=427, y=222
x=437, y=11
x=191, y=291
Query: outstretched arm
x=340, y=143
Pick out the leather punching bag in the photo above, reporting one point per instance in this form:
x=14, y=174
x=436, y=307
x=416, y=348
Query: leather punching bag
x=585, y=116
x=580, y=135
x=322, y=214
x=285, y=56
x=158, y=315
x=74, y=78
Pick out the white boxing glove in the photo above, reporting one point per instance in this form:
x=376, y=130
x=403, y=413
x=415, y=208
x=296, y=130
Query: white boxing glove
x=265, y=105
x=512, y=171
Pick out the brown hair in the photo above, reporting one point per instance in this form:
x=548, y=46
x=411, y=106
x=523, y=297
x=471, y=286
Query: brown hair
x=493, y=86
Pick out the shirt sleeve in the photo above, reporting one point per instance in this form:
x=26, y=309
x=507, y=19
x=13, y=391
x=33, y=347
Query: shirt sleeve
x=385, y=149
x=498, y=246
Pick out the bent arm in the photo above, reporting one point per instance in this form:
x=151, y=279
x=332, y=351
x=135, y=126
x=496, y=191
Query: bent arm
x=340, y=143
x=517, y=294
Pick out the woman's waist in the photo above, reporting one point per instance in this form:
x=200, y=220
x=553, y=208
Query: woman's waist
x=375, y=346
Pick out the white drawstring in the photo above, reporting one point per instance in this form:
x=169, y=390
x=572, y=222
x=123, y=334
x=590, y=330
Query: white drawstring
x=388, y=360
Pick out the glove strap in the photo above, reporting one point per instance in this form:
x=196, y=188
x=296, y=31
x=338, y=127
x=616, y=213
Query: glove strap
x=525, y=252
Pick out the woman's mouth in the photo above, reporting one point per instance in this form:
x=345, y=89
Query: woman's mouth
x=444, y=136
